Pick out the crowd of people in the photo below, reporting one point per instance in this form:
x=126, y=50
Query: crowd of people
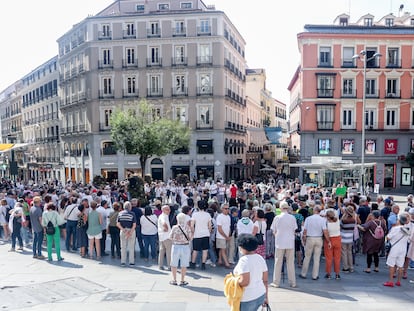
x=204, y=224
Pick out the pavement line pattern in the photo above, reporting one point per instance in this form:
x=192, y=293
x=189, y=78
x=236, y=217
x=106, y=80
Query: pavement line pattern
x=47, y=292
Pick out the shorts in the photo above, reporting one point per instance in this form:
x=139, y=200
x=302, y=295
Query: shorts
x=221, y=243
x=201, y=244
x=97, y=237
x=180, y=253
x=395, y=261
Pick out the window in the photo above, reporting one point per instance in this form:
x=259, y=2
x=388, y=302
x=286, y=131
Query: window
x=204, y=118
x=412, y=123
x=348, y=119
x=370, y=90
x=343, y=21
x=163, y=6
x=325, y=116
x=130, y=56
x=392, y=88
x=179, y=54
x=154, y=30
x=370, y=118
x=373, y=62
x=348, y=88
x=391, y=117
x=205, y=53
x=347, y=54
x=108, y=148
x=389, y=22
x=107, y=86
x=107, y=117
x=131, y=85
x=155, y=86
x=204, y=27
x=368, y=21
x=325, y=85
x=393, y=57
x=155, y=55
x=186, y=5
x=156, y=113
x=106, y=56
x=205, y=146
x=181, y=114
x=140, y=7
x=179, y=28
x=130, y=30
x=179, y=86
x=325, y=56
x=106, y=31
x=205, y=84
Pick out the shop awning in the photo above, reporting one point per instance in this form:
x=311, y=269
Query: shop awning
x=258, y=136
x=8, y=147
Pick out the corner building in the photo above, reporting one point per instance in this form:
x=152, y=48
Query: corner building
x=184, y=57
x=327, y=99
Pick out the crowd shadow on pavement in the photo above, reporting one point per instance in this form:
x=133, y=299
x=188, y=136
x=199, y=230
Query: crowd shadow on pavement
x=205, y=290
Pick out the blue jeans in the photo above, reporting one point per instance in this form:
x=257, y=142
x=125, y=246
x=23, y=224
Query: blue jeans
x=16, y=235
x=71, y=231
x=252, y=305
x=150, y=240
x=212, y=252
x=138, y=234
x=37, y=243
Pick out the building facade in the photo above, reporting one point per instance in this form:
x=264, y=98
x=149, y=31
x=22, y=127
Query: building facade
x=184, y=57
x=327, y=96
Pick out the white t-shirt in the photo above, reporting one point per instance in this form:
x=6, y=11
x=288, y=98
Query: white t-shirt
x=244, y=225
x=148, y=228
x=255, y=265
x=223, y=221
x=163, y=235
x=201, y=220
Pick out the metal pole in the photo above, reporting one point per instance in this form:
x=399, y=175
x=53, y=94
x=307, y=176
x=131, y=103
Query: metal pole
x=363, y=126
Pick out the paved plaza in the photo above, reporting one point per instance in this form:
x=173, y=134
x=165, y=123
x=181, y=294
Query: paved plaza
x=84, y=284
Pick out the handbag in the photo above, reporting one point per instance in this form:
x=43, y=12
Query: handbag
x=266, y=307
x=259, y=236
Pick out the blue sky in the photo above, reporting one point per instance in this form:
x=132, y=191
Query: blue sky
x=29, y=30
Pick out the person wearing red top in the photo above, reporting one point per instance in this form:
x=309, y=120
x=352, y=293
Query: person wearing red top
x=233, y=191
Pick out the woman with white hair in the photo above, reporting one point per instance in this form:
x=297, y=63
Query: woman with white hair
x=180, y=235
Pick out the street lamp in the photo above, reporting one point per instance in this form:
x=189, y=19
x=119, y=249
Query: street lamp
x=363, y=57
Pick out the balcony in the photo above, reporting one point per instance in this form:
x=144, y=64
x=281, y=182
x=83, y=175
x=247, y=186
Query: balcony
x=179, y=32
x=128, y=93
x=204, y=31
x=394, y=63
x=105, y=64
x=372, y=93
x=348, y=63
x=153, y=33
x=106, y=94
x=73, y=72
x=128, y=34
x=130, y=63
x=103, y=127
x=178, y=61
x=105, y=35
x=322, y=63
x=325, y=125
x=349, y=93
x=179, y=92
x=154, y=62
x=154, y=92
x=205, y=91
x=392, y=93
x=325, y=93
x=81, y=68
x=204, y=60
x=234, y=127
x=203, y=125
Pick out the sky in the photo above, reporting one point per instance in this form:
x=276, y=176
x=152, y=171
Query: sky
x=29, y=30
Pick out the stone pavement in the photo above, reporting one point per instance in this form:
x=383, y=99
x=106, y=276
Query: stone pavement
x=78, y=283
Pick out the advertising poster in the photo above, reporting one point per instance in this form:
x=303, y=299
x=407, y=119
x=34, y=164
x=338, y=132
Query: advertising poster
x=370, y=146
x=324, y=146
x=348, y=146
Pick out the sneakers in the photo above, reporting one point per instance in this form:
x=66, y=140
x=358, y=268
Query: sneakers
x=203, y=266
x=337, y=277
x=41, y=257
x=327, y=276
x=192, y=265
x=398, y=283
x=389, y=284
x=274, y=285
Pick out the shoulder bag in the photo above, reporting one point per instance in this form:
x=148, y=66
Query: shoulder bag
x=259, y=235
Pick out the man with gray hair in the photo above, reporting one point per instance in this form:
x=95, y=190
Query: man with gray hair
x=126, y=223
x=314, y=230
x=165, y=243
x=223, y=234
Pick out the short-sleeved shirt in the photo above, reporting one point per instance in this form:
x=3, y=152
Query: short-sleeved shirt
x=223, y=221
x=256, y=266
x=202, y=220
x=126, y=219
x=35, y=215
x=314, y=225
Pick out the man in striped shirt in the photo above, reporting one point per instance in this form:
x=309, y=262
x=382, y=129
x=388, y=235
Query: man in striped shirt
x=127, y=223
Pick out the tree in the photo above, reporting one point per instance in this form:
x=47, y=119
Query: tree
x=140, y=130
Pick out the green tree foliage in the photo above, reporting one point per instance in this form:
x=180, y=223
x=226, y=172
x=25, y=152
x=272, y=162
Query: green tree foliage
x=140, y=130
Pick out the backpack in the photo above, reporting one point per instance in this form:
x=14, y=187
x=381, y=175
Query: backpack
x=378, y=233
x=50, y=228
